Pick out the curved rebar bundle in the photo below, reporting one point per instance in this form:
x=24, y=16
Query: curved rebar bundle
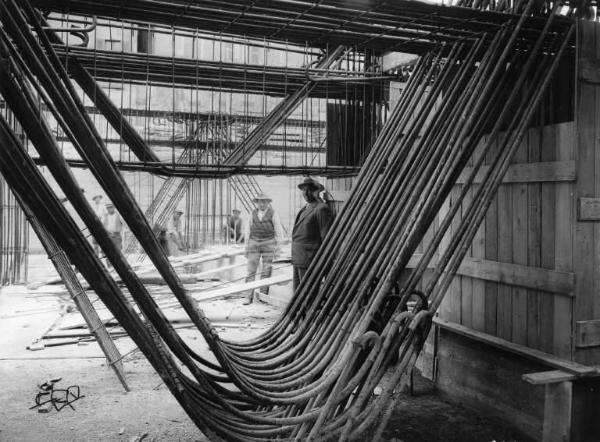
x=311, y=376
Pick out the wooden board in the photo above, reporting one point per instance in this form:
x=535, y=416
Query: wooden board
x=519, y=251
x=587, y=333
x=521, y=350
x=534, y=241
x=585, y=238
x=588, y=209
x=524, y=172
x=548, y=377
x=563, y=259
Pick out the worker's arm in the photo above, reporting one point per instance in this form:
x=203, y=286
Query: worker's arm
x=278, y=228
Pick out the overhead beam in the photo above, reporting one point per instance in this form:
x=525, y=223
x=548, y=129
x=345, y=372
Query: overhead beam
x=404, y=25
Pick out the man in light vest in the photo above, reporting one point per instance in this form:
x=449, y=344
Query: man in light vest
x=113, y=224
x=264, y=234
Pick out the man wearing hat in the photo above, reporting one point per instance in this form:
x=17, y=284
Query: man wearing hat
x=175, y=234
x=264, y=234
x=310, y=228
x=114, y=225
x=100, y=211
x=233, y=229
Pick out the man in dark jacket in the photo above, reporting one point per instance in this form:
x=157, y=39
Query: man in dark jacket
x=310, y=228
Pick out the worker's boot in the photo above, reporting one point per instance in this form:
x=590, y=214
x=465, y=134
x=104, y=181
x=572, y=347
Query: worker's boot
x=249, y=298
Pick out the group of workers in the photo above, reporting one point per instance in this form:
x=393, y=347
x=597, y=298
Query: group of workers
x=264, y=234
x=170, y=237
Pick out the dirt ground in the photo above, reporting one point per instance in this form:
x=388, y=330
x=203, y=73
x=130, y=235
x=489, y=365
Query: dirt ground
x=149, y=411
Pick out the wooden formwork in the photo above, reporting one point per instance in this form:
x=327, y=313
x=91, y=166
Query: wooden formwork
x=518, y=333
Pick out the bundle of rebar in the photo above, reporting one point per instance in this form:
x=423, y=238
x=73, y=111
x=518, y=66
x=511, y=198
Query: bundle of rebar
x=272, y=80
x=404, y=25
x=312, y=375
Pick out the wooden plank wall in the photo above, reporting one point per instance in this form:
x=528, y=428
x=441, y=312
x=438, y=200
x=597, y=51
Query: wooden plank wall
x=517, y=280
x=587, y=233
x=513, y=283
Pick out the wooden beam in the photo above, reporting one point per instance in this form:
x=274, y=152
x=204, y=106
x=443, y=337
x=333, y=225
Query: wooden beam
x=521, y=350
x=535, y=278
x=587, y=333
x=548, y=377
x=549, y=171
x=588, y=209
x=557, y=412
x=205, y=295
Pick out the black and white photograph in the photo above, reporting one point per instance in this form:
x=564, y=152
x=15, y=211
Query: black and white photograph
x=299, y=220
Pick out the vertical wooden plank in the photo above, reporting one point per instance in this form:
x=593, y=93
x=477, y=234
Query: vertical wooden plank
x=478, y=251
x=491, y=253
x=557, y=412
x=504, y=307
x=565, y=217
x=534, y=239
x=505, y=246
x=466, y=284
x=519, y=246
x=548, y=212
x=445, y=305
x=586, y=121
x=454, y=305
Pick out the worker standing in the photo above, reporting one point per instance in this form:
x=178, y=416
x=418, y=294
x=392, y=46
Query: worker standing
x=175, y=234
x=114, y=226
x=310, y=228
x=264, y=235
x=234, y=228
x=100, y=211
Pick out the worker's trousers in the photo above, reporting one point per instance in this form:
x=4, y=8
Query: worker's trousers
x=257, y=251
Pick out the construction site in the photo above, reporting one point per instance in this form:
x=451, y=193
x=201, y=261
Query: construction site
x=299, y=220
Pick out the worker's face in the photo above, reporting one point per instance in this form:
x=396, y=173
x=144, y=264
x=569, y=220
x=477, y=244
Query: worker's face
x=176, y=215
x=235, y=215
x=110, y=209
x=309, y=194
x=262, y=204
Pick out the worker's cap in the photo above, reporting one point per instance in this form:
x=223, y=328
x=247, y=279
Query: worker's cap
x=309, y=182
x=110, y=205
x=236, y=211
x=96, y=197
x=261, y=197
x=178, y=211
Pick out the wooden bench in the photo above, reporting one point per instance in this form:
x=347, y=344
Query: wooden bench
x=572, y=390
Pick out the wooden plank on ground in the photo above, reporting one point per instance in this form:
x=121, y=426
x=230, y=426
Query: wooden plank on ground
x=206, y=295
